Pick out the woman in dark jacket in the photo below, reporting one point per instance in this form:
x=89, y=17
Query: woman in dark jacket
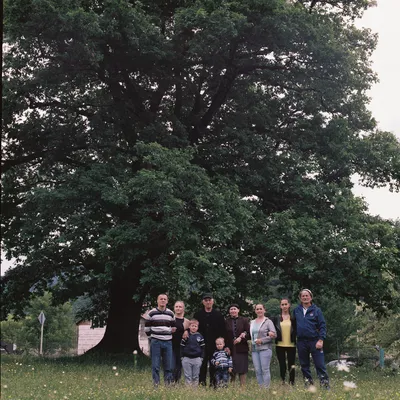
x=285, y=326
x=237, y=335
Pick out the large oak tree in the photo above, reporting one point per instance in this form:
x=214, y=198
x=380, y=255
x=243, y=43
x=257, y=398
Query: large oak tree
x=190, y=145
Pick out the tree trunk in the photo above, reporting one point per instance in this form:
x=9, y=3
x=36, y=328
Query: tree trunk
x=123, y=320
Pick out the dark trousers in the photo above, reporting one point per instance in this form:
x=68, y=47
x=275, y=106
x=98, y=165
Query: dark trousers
x=288, y=353
x=304, y=349
x=177, y=371
x=203, y=370
x=221, y=377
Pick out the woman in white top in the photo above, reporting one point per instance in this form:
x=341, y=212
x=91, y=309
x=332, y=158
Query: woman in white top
x=262, y=332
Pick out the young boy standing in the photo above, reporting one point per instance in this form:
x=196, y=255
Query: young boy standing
x=222, y=362
x=192, y=352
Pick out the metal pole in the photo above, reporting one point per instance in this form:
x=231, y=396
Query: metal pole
x=381, y=357
x=41, y=340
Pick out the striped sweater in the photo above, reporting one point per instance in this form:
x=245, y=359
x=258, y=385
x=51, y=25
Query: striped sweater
x=159, y=323
x=221, y=357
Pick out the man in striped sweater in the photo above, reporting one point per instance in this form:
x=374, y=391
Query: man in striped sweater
x=159, y=326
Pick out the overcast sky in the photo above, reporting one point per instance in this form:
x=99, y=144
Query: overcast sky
x=383, y=19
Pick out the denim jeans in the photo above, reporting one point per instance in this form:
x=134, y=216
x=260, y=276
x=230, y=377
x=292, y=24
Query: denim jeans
x=161, y=349
x=304, y=349
x=191, y=369
x=261, y=362
x=221, y=377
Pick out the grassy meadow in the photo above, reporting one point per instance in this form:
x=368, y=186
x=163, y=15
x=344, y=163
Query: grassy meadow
x=85, y=378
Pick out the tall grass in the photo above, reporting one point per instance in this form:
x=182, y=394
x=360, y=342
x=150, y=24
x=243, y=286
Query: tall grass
x=91, y=378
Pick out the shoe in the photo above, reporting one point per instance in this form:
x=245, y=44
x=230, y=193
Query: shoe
x=308, y=383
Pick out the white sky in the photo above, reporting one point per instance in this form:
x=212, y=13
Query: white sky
x=384, y=20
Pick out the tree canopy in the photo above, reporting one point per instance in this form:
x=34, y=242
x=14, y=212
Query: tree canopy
x=185, y=146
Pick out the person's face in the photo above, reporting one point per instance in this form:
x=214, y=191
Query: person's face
x=193, y=327
x=208, y=303
x=162, y=300
x=285, y=305
x=305, y=297
x=260, y=310
x=233, y=312
x=179, y=308
x=220, y=344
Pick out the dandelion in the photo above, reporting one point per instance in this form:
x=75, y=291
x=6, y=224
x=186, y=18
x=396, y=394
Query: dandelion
x=5, y=386
x=116, y=374
x=60, y=381
x=33, y=369
x=358, y=395
x=274, y=393
x=114, y=368
x=55, y=391
x=63, y=372
x=348, y=385
x=45, y=385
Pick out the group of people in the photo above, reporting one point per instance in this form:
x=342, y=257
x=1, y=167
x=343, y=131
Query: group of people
x=210, y=342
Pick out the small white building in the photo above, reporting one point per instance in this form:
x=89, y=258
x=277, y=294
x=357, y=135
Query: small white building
x=88, y=337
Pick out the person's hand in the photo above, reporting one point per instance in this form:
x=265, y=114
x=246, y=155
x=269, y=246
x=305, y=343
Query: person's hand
x=272, y=334
x=173, y=330
x=258, y=341
x=242, y=335
x=227, y=351
x=237, y=340
x=185, y=335
x=216, y=362
x=320, y=344
x=230, y=370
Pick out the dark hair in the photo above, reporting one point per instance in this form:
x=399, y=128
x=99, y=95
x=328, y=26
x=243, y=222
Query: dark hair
x=280, y=301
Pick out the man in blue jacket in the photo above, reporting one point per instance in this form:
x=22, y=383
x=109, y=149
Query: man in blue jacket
x=311, y=333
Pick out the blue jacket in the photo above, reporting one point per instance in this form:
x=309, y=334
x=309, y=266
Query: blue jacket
x=193, y=346
x=311, y=326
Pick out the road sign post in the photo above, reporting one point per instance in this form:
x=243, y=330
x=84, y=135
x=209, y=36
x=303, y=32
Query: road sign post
x=41, y=319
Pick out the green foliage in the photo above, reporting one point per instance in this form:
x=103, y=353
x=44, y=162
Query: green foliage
x=190, y=146
x=382, y=331
x=59, y=334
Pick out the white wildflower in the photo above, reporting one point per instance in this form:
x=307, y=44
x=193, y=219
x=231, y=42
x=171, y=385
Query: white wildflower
x=5, y=386
x=114, y=368
x=116, y=374
x=134, y=352
x=348, y=385
x=312, y=389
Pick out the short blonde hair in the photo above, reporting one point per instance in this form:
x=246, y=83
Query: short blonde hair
x=220, y=338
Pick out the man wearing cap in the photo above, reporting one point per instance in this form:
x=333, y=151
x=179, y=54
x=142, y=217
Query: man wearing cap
x=311, y=333
x=211, y=326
